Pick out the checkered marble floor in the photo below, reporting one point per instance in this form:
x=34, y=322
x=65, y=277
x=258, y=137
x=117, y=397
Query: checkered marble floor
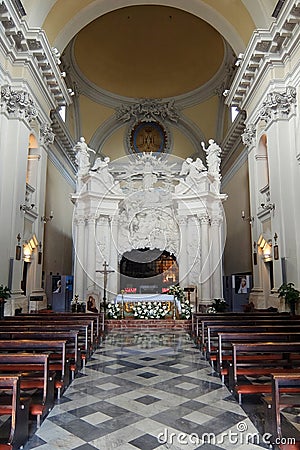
x=146, y=390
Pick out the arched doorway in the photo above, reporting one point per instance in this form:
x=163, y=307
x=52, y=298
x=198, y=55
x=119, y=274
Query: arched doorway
x=145, y=271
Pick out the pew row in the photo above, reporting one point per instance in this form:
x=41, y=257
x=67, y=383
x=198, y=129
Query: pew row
x=33, y=370
x=60, y=367
x=17, y=409
x=263, y=359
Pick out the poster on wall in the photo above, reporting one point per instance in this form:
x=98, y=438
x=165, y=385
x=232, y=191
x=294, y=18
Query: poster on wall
x=241, y=284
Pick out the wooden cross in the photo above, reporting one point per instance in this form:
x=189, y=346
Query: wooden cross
x=105, y=272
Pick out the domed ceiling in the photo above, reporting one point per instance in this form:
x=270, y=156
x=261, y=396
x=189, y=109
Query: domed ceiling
x=148, y=52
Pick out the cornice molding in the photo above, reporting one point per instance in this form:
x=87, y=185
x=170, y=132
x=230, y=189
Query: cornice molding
x=266, y=47
x=21, y=43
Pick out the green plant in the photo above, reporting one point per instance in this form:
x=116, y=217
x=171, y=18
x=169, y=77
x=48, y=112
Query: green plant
x=4, y=292
x=220, y=305
x=290, y=294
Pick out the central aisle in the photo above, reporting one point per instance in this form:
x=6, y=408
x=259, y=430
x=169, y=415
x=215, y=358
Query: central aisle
x=140, y=386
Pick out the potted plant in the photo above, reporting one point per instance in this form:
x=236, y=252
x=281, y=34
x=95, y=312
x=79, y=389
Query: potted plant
x=4, y=295
x=290, y=294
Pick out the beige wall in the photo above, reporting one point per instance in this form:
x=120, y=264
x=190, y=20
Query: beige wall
x=57, y=248
x=237, y=254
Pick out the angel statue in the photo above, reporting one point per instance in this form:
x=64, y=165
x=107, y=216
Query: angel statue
x=192, y=170
x=101, y=166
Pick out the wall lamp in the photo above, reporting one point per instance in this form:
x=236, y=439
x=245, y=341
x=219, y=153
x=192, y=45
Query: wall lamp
x=268, y=206
x=250, y=219
x=26, y=207
x=275, y=248
x=254, y=253
x=46, y=219
x=18, y=248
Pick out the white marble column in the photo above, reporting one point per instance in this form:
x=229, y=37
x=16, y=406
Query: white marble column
x=182, y=255
x=90, y=255
x=205, y=270
x=113, y=277
x=216, y=258
x=102, y=249
x=79, y=271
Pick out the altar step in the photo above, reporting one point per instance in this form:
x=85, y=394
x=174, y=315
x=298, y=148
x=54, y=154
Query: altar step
x=143, y=324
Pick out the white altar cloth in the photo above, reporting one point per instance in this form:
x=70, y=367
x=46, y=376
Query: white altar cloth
x=134, y=298
x=144, y=298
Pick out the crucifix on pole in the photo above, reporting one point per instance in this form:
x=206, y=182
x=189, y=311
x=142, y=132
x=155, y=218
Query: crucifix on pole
x=105, y=272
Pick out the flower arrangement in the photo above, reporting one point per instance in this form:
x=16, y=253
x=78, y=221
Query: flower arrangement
x=149, y=310
x=177, y=291
x=185, y=306
x=76, y=305
x=186, y=310
x=219, y=305
x=113, y=311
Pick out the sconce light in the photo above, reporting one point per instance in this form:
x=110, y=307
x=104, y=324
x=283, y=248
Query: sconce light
x=27, y=251
x=276, y=250
x=46, y=219
x=250, y=218
x=254, y=254
x=18, y=248
x=26, y=208
x=40, y=254
x=268, y=206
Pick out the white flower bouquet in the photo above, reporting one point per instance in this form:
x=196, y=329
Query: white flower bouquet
x=113, y=311
x=149, y=310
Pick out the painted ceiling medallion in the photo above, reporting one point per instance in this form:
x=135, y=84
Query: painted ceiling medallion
x=148, y=137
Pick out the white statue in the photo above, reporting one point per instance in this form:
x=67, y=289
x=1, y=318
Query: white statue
x=149, y=178
x=82, y=157
x=192, y=170
x=213, y=152
x=101, y=166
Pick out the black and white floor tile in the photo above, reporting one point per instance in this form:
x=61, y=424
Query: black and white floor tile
x=146, y=390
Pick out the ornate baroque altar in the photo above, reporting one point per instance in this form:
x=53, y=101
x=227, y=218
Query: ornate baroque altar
x=149, y=203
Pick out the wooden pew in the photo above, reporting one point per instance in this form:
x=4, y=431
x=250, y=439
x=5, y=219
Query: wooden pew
x=265, y=358
x=98, y=319
x=84, y=343
x=39, y=346
x=285, y=393
x=34, y=371
x=197, y=318
x=229, y=338
x=213, y=331
x=73, y=353
x=18, y=410
x=239, y=322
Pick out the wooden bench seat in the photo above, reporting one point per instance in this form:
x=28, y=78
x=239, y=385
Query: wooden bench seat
x=12, y=405
x=225, y=339
x=85, y=342
x=289, y=353
x=73, y=353
x=285, y=392
x=33, y=369
x=250, y=322
x=60, y=367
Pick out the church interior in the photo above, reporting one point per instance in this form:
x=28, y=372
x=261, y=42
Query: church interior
x=149, y=175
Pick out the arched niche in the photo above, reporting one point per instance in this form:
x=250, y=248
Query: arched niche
x=147, y=270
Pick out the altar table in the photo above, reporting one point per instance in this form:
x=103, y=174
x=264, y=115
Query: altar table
x=128, y=299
